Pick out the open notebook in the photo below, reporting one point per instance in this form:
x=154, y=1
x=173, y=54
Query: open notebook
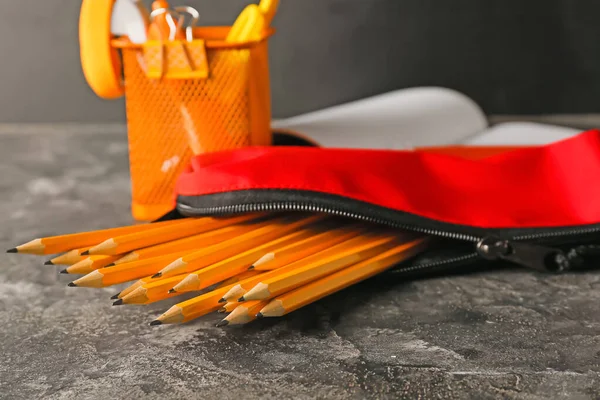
x=428, y=116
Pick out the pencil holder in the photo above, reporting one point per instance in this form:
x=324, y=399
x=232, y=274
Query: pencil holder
x=190, y=97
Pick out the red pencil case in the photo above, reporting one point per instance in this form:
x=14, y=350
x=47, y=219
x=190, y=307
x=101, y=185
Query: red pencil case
x=538, y=207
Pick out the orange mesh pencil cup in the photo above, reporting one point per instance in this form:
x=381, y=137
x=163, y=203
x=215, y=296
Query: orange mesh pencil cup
x=185, y=95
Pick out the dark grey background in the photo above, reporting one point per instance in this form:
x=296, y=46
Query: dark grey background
x=511, y=56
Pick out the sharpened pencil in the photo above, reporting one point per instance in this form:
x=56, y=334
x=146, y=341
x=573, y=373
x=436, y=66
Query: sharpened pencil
x=68, y=258
x=151, y=292
x=244, y=313
x=229, y=248
x=89, y=264
x=195, y=242
x=335, y=282
x=321, y=264
x=131, y=288
x=232, y=266
x=122, y=273
x=303, y=248
x=203, y=304
x=230, y=306
x=126, y=243
x=65, y=243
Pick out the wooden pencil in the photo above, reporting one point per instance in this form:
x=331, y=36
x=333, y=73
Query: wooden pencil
x=203, y=304
x=126, y=243
x=65, y=243
x=146, y=280
x=237, y=290
x=237, y=264
x=151, y=292
x=89, y=264
x=229, y=306
x=69, y=258
x=303, y=248
x=244, y=313
x=321, y=264
x=194, y=242
x=122, y=273
x=130, y=288
x=229, y=248
x=335, y=282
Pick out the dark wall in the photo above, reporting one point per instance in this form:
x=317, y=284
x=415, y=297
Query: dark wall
x=512, y=56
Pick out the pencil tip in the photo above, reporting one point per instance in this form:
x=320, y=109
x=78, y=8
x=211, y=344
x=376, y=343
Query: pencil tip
x=110, y=265
x=222, y=310
x=116, y=296
x=250, y=268
x=155, y=323
x=241, y=299
x=86, y=253
x=49, y=262
x=118, y=302
x=13, y=250
x=64, y=271
x=72, y=284
x=222, y=300
x=158, y=275
x=222, y=323
x=172, y=291
x=259, y=315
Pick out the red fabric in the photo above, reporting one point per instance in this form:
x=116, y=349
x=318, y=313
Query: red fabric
x=546, y=186
x=471, y=152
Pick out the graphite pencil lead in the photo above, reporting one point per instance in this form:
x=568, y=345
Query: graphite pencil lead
x=13, y=250
x=49, y=262
x=116, y=296
x=72, y=284
x=172, y=291
x=222, y=300
x=222, y=323
x=250, y=268
x=118, y=302
x=259, y=315
x=86, y=253
x=222, y=310
x=158, y=275
x=64, y=271
x=110, y=265
x=155, y=323
x=241, y=299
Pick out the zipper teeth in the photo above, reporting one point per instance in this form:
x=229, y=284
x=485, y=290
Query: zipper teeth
x=266, y=207
x=305, y=207
x=580, y=231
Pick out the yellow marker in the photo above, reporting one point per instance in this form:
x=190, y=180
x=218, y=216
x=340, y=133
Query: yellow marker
x=248, y=26
x=268, y=8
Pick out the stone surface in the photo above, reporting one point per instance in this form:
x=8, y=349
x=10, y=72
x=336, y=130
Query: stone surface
x=506, y=334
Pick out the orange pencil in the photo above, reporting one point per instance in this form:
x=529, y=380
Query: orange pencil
x=114, y=275
x=327, y=285
x=64, y=243
x=232, y=266
x=203, y=258
x=126, y=243
x=89, y=264
x=195, y=242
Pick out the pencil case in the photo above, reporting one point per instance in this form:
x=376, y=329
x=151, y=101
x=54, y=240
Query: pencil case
x=536, y=207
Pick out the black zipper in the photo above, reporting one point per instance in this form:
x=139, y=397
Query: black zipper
x=517, y=249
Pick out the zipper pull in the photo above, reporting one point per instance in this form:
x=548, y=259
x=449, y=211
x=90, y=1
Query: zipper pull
x=540, y=258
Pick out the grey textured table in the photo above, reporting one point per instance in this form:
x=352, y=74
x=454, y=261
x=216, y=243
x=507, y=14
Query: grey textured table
x=504, y=334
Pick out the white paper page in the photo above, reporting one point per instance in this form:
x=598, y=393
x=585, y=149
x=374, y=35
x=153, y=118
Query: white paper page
x=521, y=133
x=396, y=120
